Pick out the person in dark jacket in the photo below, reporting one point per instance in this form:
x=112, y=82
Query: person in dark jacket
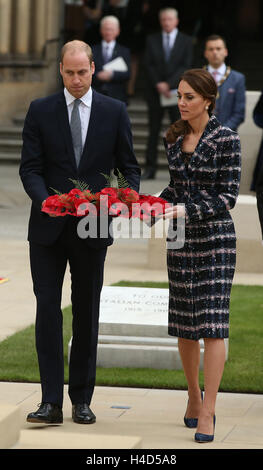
x=75, y=134
x=257, y=181
x=167, y=55
x=111, y=82
x=231, y=96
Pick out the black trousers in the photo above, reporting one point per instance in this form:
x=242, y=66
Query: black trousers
x=48, y=265
x=155, y=117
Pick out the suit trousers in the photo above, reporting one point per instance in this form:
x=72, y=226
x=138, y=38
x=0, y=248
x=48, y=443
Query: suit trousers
x=48, y=265
x=155, y=117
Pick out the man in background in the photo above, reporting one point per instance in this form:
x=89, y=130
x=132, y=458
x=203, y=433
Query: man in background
x=167, y=55
x=231, y=98
x=113, y=81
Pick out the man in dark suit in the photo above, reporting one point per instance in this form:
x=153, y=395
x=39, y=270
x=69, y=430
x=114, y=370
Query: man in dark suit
x=231, y=99
x=79, y=134
x=111, y=82
x=167, y=55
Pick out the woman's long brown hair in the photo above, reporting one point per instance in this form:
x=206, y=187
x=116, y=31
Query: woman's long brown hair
x=204, y=84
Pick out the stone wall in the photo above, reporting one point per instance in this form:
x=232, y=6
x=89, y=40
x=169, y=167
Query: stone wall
x=29, y=49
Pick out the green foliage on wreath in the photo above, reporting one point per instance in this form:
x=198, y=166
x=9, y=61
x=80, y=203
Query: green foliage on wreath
x=81, y=185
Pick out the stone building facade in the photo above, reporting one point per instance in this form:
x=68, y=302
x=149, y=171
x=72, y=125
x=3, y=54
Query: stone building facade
x=30, y=40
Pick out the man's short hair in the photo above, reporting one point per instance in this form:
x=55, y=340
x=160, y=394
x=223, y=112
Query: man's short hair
x=111, y=18
x=76, y=46
x=215, y=37
x=168, y=10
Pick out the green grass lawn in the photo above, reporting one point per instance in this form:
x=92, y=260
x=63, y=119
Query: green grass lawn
x=243, y=370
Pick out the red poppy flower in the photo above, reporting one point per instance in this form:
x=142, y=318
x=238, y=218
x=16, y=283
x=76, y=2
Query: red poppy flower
x=58, y=205
x=128, y=195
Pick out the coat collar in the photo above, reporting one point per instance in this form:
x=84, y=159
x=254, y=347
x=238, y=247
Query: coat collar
x=205, y=149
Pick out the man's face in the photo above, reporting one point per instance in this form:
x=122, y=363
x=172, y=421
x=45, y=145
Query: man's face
x=215, y=52
x=168, y=21
x=77, y=72
x=109, y=31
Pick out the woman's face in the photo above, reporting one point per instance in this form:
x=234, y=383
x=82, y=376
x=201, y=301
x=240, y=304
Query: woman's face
x=191, y=104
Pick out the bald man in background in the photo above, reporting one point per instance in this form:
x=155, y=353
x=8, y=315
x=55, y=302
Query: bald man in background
x=111, y=82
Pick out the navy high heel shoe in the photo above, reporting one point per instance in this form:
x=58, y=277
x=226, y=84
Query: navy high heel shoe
x=199, y=437
x=192, y=422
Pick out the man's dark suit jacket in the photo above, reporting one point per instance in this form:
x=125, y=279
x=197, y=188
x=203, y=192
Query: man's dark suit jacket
x=48, y=159
x=156, y=67
x=116, y=87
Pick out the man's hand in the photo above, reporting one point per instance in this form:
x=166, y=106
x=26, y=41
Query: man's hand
x=50, y=215
x=104, y=75
x=163, y=88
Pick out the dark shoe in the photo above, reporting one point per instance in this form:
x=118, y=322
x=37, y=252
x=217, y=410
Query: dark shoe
x=82, y=414
x=47, y=413
x=192, y=422
x=199, y=437
x=148, y=174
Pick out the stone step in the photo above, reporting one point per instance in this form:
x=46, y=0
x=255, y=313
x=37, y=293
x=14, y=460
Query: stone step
x=141, y=123
x=6, y=157
x=137, y=340
x=10, y=137
x=9, y=425
x=137, y=108
x=139, y=356
x=140, y=149
x=60, y=439
x=10, y=145
x=141, y=136
x=11, y=132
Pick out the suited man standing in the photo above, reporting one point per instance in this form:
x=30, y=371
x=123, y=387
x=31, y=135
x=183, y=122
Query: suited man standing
x=76, y=133
x=231, y=98
x=167, y=55
x=111, y=82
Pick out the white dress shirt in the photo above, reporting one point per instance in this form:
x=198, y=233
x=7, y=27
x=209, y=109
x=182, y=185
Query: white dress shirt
x=84, y=110
x=172, y=37
x=220, y=71
x=110, y=46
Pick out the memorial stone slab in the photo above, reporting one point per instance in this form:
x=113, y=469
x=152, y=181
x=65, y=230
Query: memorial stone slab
x=133, y=329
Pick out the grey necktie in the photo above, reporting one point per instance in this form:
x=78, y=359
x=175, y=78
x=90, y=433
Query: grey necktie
x=167, y=47
x=106, y=54
x=75, y=125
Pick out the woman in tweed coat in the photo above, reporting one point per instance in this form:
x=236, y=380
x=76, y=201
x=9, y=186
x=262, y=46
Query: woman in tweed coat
x=204, y=164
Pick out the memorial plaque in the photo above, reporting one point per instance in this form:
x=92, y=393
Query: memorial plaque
x=138, y=305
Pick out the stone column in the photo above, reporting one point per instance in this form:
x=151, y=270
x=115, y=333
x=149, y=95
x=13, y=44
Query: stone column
x=5, y=26
x=55, y=15
x=22, y=27
x=40, y=26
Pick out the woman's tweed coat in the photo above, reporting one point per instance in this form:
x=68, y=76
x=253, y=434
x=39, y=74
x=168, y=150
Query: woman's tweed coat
x=201, y=272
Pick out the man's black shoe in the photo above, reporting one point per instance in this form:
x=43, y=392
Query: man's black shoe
x=47, y=413
x=82, y=414
x=148, y=174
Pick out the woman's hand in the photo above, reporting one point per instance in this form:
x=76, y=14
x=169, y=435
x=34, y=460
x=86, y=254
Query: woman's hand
x=174, y=212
